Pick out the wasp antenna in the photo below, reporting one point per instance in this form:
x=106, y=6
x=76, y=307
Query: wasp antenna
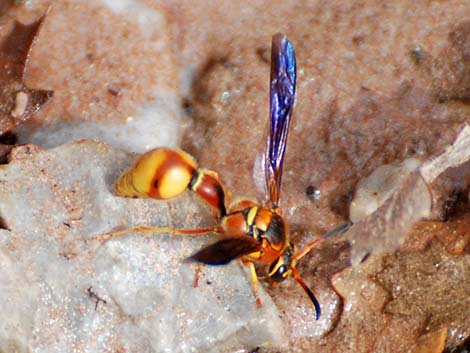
x=310, y=294
x=341, y=229
x=306, y=249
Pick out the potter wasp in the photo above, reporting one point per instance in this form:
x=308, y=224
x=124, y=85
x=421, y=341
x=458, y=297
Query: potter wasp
x=249, y=231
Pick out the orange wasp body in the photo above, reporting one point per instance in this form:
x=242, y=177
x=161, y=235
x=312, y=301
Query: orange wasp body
x=252, y=232
x=249, y=231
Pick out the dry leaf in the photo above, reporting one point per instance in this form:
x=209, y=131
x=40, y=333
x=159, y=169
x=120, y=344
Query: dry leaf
x=385, y=229
x=18, y=102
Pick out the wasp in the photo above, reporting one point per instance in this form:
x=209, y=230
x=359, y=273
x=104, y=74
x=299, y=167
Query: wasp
x=254, y=233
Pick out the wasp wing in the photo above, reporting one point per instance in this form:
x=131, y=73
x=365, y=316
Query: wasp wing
x=282, y=96
x=226, y=250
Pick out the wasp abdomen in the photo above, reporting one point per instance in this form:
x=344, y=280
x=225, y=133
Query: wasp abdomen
x=161, y=173
x=164, y=173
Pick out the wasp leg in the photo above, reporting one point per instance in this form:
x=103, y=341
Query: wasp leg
x=199, y=271
x=254, y=281
x=196, y=231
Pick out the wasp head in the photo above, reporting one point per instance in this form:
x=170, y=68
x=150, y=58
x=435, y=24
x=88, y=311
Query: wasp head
x=281, y=268
x=285, y=265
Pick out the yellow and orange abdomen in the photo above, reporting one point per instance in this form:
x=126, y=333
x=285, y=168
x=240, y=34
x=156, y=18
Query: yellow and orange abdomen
x=161, y=173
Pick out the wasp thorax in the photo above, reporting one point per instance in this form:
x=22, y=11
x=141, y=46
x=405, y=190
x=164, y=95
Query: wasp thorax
x=162, y=173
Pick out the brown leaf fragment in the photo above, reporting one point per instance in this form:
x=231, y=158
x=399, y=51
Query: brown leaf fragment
x=18, y=102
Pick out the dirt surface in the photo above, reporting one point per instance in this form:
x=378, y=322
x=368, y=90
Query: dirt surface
x=378, y=83
x=100, y=61
x=362, y=99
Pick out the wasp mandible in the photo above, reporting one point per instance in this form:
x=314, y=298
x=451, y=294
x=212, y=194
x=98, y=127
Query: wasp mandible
x=252, y=232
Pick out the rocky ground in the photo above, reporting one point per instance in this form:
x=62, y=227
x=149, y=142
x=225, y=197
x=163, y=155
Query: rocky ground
x=378, y=83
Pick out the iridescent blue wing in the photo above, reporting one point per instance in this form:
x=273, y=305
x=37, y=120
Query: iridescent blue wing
x=282, y=96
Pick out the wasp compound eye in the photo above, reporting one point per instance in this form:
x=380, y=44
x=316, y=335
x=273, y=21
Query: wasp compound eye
x=279, y=274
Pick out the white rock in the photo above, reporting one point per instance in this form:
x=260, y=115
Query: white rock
x=131, y=294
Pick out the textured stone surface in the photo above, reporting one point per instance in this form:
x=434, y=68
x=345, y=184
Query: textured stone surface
x=132, y=294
